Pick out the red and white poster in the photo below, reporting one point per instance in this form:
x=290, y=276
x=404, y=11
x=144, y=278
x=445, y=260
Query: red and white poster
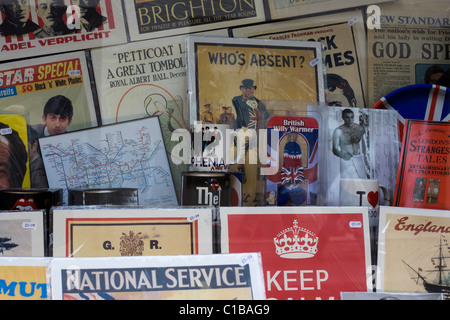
x=308, y=253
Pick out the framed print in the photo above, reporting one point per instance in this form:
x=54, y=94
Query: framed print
x=422, y=176
x=156, y=18
x=390, y=296
x=413, y=250
x=179, y=277
x=308, y=253
x=295, y=182
x=66, y=27
x=345, y=54
x=22, y=234
x=128, y=154
x=109, y=232
x=279, y=9
x=25, y=278
x=276, y=70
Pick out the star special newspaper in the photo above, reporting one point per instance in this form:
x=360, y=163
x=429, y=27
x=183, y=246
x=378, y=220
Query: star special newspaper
x=200, y=277
x=158, y=18
x=423, y=177
x=308, y=253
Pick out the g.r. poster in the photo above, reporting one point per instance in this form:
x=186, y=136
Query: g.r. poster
x=308, y=253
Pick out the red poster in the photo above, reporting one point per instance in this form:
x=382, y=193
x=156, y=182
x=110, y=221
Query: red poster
x=423, y=177
x=307, y=253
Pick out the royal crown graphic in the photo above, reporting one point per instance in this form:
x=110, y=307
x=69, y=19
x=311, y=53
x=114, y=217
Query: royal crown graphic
x=296, y=243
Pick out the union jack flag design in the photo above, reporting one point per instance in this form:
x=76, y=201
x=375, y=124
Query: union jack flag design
x=292, y=175
x=420, y=102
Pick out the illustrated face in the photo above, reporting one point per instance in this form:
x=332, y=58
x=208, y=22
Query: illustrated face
x=249, y=92
x=50, y=11
x=56, y=124
x=18, y=11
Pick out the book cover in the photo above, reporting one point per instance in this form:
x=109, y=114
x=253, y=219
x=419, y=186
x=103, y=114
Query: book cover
x=423, y=179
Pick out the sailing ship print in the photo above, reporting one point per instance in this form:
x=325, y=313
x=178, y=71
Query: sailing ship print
x=436, y=280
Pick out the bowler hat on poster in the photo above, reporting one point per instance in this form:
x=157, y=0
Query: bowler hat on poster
x=247, y=83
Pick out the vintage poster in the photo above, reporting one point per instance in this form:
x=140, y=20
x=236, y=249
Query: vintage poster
x=279, y=9
x=158, y=18
x=423, y=177
x=345, y=50
x=33, y=28
x=145, y=80
x=128, y=154
x=108, y=232
x=24, y=279
x=413, y=250
x=14, y=151
x=22, y=234
x=54, y=95
x=265, y=69
x=296, y=155
x=256, y=70
x=355, y=138
x=179, y=277
x=308, y=253
x=409, y=45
